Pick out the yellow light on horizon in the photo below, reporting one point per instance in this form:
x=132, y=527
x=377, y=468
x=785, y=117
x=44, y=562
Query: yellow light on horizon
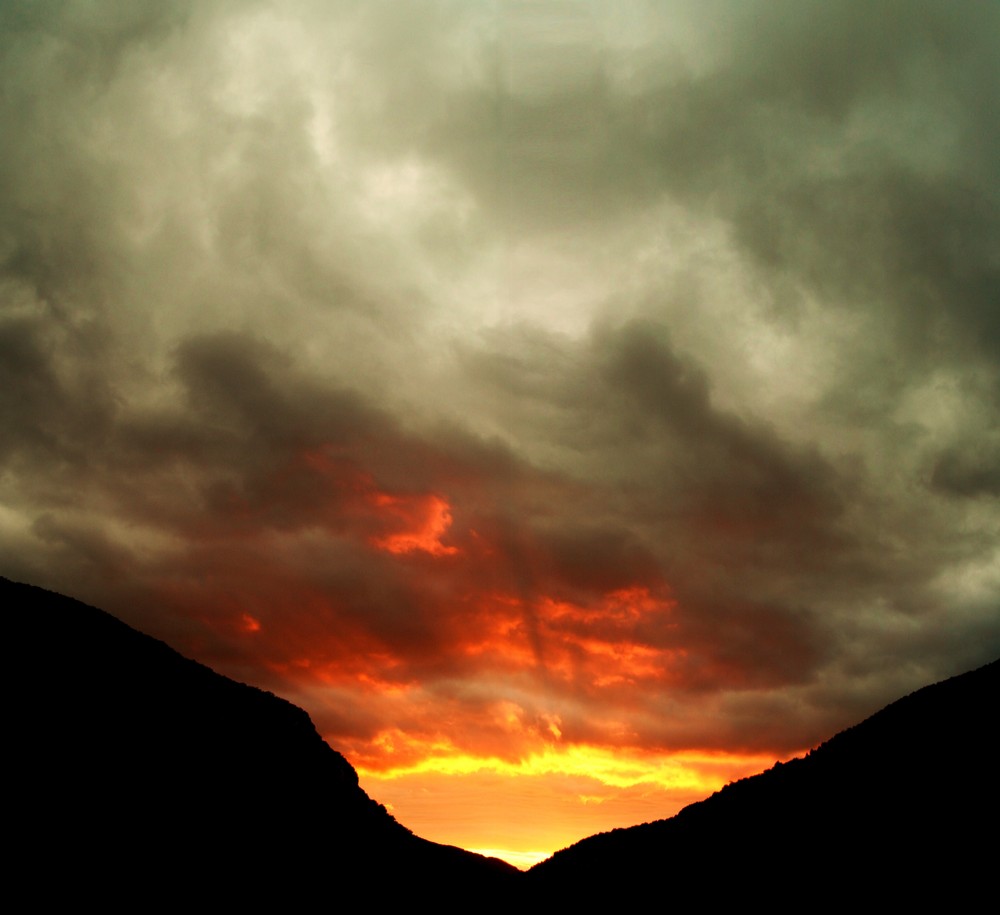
x=618, y=767
x=524, y=810
x=522, y=860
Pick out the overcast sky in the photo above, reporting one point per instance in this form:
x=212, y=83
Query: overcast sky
x=512, y=382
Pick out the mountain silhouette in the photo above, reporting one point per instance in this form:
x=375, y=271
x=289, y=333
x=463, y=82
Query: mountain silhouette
x=139, y=777
x=898, y=810
x=142, y=776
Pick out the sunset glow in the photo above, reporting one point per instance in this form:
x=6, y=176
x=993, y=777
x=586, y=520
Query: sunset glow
x=618, y=768
x=551, y=798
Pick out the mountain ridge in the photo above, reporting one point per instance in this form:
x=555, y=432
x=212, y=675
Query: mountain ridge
x=852, y=802
x=146, y=768
x=145, y=774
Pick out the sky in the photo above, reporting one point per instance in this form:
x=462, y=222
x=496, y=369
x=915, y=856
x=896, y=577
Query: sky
x=573, y=405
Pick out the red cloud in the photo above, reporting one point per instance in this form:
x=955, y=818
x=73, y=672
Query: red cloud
x=425, y=518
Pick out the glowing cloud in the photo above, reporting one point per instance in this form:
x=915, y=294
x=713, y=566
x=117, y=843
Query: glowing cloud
x=427, y=519
x=619, y=767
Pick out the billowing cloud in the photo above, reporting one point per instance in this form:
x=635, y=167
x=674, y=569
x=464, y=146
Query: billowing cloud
x=551, y=397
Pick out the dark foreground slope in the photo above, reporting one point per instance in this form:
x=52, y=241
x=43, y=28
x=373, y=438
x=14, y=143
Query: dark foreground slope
x=137, y=775
x=141, y=775
x=900, y=809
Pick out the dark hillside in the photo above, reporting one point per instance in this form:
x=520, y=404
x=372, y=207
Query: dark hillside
x=900, y=808
x=140, y=774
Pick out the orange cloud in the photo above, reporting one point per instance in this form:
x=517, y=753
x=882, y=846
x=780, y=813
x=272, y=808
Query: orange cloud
x=425, y=518
x=539, y=663
x=598, y=644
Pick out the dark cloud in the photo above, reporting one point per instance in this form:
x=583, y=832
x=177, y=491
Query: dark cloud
x=969, y=472
x=478, y=372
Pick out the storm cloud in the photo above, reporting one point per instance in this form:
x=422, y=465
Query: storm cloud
x=511, y=375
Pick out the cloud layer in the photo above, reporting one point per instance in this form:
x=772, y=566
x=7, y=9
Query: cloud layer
x=510, y=379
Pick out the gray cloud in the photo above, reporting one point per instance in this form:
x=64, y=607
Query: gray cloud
x=691, y=303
